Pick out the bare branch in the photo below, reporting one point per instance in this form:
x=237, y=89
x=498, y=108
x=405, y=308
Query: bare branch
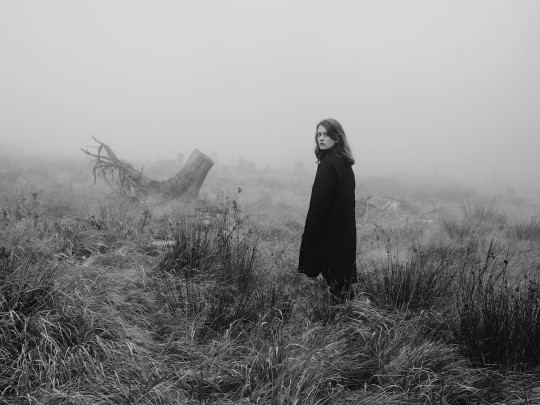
x=117, y=173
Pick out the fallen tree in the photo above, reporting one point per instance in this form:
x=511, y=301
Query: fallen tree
x=124, y=178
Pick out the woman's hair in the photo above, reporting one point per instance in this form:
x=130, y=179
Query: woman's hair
x=335, y=131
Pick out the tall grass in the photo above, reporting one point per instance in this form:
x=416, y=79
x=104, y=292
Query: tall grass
x=51, y=342
x=481, y=211
x=44, y=341
x=423, y=281
x=479, y=217
x=493, y=318
x=210, y=275
x=526, y=230
x=500, y=325
x=498, y=321
x=458, y=229
x=101, y=315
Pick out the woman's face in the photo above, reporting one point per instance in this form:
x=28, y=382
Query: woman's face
x=323, y=140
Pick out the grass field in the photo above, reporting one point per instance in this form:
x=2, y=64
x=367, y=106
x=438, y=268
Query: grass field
x=107, y=301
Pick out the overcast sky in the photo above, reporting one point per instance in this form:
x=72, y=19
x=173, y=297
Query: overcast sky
x=435, y=87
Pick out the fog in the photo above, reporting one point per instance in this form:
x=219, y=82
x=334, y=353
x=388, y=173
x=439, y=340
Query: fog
x=434, y=88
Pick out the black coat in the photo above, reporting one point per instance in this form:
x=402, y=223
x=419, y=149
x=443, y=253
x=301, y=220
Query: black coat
x=329, y=239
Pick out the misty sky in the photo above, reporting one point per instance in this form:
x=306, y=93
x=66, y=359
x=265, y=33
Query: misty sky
x=434, y=87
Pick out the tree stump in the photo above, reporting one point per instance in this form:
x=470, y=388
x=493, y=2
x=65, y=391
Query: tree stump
x=188, y=181
x=123, y=177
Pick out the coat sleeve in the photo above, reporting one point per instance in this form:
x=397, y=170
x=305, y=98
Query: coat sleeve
x=322, y=196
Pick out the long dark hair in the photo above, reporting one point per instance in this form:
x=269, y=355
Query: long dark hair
x=336, y=132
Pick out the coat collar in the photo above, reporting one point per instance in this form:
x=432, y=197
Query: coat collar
x=326, y=153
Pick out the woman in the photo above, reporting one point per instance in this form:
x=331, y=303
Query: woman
x=329, y=240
